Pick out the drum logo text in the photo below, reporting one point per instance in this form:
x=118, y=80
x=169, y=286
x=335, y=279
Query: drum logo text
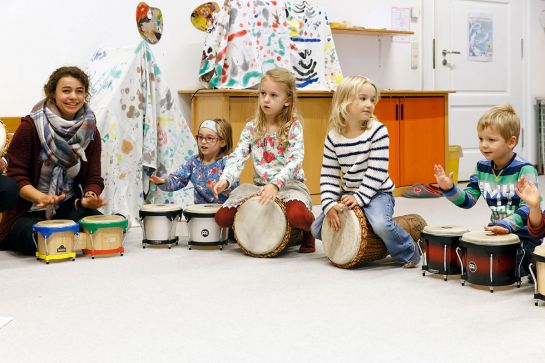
x=205, y=233
x=61, y=249
x=472, y=266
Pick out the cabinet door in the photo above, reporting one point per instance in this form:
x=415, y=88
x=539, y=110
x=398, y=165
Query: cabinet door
x=387, y=111
x=422, y=133
x=315, y=114
x=241, y=110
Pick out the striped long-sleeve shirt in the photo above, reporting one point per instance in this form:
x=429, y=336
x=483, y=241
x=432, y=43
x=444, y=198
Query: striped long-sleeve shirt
x=361, y=162
x=498, y=189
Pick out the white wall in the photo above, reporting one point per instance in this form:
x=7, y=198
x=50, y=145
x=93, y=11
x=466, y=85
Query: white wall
x=39, y=36
x=534, y=74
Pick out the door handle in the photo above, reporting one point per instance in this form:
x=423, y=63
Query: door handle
x=444, y=53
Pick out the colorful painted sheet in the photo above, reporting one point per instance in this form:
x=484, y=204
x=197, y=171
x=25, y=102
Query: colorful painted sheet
x=142, y=129
x=248, y=39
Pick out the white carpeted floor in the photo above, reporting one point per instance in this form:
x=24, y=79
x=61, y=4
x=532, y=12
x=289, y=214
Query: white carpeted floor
x=160, y=305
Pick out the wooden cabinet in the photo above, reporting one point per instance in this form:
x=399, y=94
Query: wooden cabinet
x=416, y=122
x=417, y=130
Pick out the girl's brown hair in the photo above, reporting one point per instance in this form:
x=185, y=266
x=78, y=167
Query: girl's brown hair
x=51, y=85
x=225, y=132
x=288, y=113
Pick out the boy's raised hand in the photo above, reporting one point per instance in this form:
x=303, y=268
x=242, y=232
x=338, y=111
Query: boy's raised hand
x=528, y=192
x=444, y=181
x=156, y=180
x=333, y=218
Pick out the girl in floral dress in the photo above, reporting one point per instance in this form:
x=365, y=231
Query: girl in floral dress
x=274, y=139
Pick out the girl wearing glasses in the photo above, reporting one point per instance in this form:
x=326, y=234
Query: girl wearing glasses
x=274, y=139
x=215, y=140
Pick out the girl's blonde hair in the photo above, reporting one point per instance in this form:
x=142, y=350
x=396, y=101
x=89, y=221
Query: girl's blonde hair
x=288, y=114
x=225, y=132
x=347, y=91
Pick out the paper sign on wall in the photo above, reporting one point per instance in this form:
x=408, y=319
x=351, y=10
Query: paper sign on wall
x=480, y=37
x=401, y=20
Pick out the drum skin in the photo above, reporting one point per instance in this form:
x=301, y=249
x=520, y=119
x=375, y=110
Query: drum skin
x=262, y=230
x=479, y=255
x=356, y=243
x=439, y=244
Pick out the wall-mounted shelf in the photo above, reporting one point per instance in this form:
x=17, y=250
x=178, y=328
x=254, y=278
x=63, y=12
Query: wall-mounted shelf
x=356, y=30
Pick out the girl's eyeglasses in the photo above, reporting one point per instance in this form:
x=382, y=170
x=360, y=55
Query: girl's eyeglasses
x=208, y=139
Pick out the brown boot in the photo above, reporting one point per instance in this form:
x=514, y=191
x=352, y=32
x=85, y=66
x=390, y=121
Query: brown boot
x=307, y=246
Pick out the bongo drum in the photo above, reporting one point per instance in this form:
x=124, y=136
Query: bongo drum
x=106, y=234
x=355, y=242
x=55, y=239
x=489, y=259
x=439, y=249
x=537, y=269
x=262, y=230
x=203, y=229
x=158, y=222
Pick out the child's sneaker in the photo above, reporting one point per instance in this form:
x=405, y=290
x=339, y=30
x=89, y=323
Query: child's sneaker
x=413, y=262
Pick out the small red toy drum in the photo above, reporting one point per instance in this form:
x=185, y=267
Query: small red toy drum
x=489, y=259
x=438, y=246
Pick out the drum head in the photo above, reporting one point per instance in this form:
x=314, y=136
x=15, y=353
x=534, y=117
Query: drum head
x=487, y=238
x=446, y=230
x=260, y=229
x=205, y=209
x=540, y=250
x=160, y=208
x=56, y=223
x=102, y=219
x=3, y=136
x=342, y=246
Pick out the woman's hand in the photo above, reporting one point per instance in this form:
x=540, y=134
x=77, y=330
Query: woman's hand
x=444, y=181
x=496, y=229
x=333, y=218
x=349, y=201
x=220, y=187
x=268, y=193
x=92, y=201
x=156, y=180
x=44, y=200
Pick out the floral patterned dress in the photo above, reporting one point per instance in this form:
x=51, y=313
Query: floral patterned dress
x=281, y=165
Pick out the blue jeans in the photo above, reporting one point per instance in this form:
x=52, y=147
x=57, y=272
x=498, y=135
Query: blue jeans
x=379, y=213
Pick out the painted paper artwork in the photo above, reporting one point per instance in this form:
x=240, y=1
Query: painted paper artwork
x=202, y=16
x=480, y=37
x=142, y=128
x=247, y=39
x=150, y=22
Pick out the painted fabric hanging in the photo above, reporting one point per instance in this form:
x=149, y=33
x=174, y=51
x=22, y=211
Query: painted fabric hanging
x=142, y=128
x=248, y=39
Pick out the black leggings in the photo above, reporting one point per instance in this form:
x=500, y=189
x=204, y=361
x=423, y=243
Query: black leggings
x=20, y=238
x=8, y=192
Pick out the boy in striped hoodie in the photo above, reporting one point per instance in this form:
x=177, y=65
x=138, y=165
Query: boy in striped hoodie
x=357, y=147
x=496, y=178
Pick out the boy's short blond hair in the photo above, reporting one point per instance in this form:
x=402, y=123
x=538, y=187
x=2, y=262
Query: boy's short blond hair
x=503, y=119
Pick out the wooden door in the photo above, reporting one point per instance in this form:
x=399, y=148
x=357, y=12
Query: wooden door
x=422, y=138
x=387, y=111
